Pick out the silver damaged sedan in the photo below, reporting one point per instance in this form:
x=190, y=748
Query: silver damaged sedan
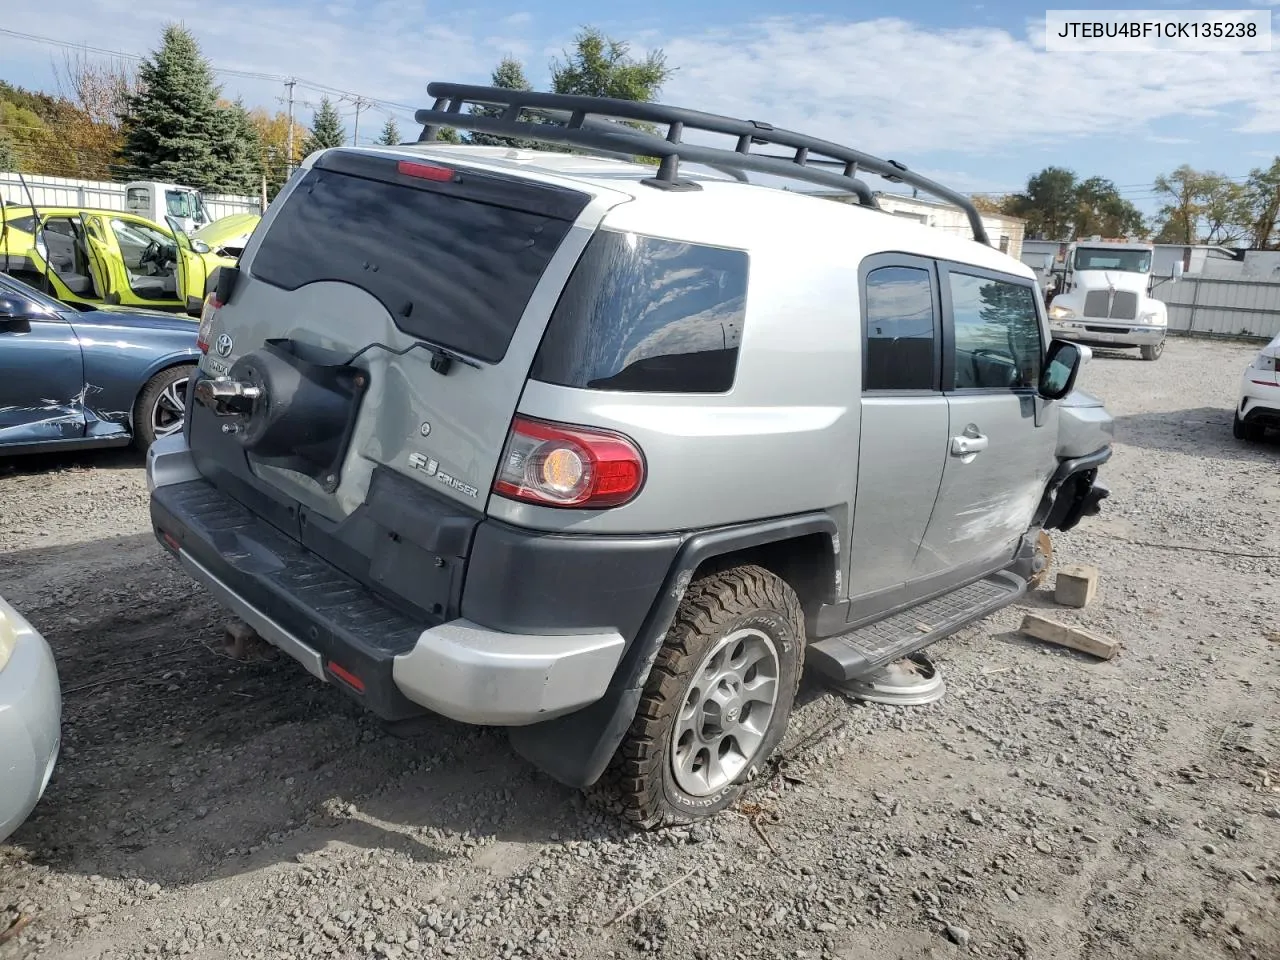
x=30, y=718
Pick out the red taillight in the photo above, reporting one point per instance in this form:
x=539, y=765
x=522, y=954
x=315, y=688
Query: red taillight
x=171, y=542
x=560, y=466
x=425, y=171
x=211, y=306
x=346, y=676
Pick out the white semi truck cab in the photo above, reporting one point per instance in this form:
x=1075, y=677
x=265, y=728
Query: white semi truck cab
x=160, y=201
x=1106, y=297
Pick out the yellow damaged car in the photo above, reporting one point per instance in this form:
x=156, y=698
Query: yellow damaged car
x=96, y=257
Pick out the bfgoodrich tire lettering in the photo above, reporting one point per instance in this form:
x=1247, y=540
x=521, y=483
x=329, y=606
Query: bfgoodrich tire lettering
x=746, y=601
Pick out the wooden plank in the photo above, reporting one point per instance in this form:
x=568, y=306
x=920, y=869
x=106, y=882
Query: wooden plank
x=1063, y=635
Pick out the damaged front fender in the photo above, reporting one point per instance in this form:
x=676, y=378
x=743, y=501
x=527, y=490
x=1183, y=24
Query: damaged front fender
x=1073, y=492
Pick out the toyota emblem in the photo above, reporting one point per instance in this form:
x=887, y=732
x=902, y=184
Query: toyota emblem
x=223, y=345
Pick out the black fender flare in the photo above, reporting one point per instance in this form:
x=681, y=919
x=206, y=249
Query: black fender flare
x=576, y=749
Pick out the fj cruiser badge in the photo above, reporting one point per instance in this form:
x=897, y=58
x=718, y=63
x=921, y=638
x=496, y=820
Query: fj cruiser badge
x=424, y=463
x=223, y=345
x=431, y=467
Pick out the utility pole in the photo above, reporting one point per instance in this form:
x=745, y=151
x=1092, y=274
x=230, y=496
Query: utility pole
x=360, y=104
x=290, y=83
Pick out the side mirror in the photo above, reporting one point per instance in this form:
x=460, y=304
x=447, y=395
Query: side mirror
x=1061, y=365
x=199, y=246
x=12, y=309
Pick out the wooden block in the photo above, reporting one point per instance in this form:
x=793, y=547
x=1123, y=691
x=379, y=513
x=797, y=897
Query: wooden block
x=1051, y=631
x=1077, y=585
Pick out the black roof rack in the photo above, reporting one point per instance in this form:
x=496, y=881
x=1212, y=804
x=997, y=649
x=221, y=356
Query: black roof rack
x=611, y=127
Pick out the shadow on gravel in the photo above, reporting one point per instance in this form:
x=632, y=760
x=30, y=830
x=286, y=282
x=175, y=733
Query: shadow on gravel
x=180, y=765
x=114, y=458
x=1202, y=431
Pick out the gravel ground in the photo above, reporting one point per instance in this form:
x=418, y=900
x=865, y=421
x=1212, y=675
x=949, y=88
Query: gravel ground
x=1048, y=806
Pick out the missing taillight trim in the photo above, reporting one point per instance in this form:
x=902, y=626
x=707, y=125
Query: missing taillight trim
x=609, y=467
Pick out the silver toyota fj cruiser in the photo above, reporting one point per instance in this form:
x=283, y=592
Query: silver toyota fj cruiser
x=603, y=451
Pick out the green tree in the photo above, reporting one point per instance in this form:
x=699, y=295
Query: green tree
x=991, y=203
x=1224, y=206
x=1179, y=216
x=173, y=121
x=238, y=152
x=8, y=156
x=1262, y=207
x=1102, y=211
x=599, y=66
x=509, y=75
x=390, y=133
x=326, y=128
x=1050, y=204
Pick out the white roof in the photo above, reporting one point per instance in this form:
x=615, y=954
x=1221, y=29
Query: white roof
x=725, y=212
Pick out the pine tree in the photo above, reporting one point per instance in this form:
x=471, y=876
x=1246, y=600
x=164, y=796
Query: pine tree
x=390, y=133
x=510, y=76
x=326, y=128
x=172, y=124
x=238, y=152
x=599, y=66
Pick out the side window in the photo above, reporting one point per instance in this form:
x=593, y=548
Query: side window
x=900, y=330
x=647, y=315
x=997, y=334
x=25, y=224
x=176, y=203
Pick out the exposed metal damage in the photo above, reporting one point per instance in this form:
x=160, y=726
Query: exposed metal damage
x=66, y=419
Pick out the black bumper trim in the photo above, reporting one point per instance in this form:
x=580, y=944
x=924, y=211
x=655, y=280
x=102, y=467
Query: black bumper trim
x=528, y=581
x=316, y=603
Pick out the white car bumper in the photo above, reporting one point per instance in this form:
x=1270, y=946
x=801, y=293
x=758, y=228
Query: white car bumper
x=30, y=720
x=1260, y=397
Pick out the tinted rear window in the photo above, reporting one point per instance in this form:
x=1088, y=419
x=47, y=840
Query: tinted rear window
x=449, y=270
x=647, y=315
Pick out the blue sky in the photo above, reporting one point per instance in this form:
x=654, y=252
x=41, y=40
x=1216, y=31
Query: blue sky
x=962, y=91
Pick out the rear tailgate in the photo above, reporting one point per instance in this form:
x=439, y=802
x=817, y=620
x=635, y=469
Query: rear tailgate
x=389, y=310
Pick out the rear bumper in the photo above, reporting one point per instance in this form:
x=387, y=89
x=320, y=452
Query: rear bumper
x=1259, y=398
x=30, y=722
x=343, y=632
x=1107, y=334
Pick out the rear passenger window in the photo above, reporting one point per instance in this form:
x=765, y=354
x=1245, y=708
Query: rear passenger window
x=997, y=334
x=647, y=315
x=900, y=330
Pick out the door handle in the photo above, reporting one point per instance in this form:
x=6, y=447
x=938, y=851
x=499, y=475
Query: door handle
x=969, y=444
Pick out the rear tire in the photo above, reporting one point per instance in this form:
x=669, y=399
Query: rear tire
x=717, y=700
x=1152, y=351
x=161, y=406
x=1243, y=430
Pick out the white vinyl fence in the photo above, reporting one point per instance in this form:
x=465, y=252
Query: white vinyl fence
x=64, y=192
x=1227, y=307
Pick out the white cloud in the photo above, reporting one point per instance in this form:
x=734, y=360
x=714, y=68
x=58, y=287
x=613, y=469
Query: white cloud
x=890, y=86
x=886, y=85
